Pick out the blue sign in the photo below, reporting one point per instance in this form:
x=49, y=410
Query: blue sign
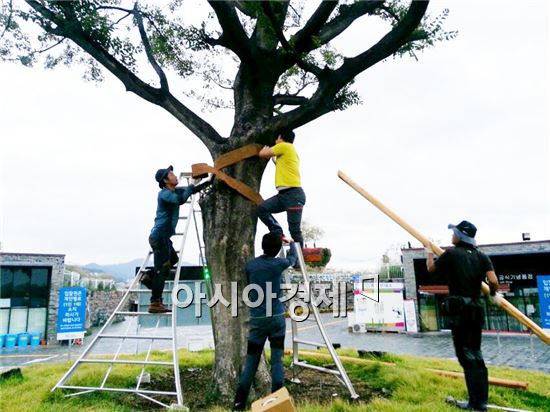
x=71, y=317
x=543, y=283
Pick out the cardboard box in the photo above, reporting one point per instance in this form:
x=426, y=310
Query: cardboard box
x=279, y=401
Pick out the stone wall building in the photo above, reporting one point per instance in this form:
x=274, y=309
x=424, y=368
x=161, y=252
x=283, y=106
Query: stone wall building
x=29, y=298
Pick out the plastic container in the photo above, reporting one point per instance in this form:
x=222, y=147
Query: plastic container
x=23, y=340
x=35, y=339
x=10, y=341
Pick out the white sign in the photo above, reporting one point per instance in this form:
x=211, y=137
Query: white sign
x=410, y=315
x=70, y=335
x=384, y=313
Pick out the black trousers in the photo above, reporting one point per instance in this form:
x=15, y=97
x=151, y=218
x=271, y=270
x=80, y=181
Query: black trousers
x=292, y=201
x=165, y=257
x=466, y=324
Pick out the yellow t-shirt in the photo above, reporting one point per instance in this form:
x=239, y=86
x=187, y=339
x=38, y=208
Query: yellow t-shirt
x=287, y=170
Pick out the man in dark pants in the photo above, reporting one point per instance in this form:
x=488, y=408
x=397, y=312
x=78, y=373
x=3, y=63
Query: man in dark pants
x=291, y=197
x=466, y=267
x=266, y=272
x=168, y=204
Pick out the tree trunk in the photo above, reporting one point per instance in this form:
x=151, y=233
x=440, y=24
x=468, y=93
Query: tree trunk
x=229, y=230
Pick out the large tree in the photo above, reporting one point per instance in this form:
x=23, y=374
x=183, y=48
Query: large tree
x=276, y=63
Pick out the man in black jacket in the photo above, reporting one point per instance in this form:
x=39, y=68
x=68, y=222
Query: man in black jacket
x=466, y=267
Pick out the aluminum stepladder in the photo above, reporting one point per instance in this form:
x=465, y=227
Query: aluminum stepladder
x=151, y=337
x=340, y=373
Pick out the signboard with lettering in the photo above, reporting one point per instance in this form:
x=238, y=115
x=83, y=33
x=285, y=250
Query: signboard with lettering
x=543, y=283
x=516, y=279
x=71, y=317
x=379, y=306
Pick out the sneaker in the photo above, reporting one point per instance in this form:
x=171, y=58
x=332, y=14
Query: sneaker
x=147, y=280
x=158, y=307
x=239, y=406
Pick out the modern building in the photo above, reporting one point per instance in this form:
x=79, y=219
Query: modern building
x=29, y=285
x=517, y=266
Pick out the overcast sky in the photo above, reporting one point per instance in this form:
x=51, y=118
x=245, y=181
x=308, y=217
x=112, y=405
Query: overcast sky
x=460, y=134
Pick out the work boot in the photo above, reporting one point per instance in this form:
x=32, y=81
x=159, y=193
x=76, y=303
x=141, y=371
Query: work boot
x=158, y=307
x=146, y=279
x=239, y=404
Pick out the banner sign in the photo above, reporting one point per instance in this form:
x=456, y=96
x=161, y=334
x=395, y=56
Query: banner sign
x=71, y=317
x=543, y=283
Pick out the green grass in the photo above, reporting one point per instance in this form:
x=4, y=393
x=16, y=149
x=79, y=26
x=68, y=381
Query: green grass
x=405, y=387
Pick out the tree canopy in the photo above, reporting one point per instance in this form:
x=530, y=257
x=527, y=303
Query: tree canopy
x=268, y=53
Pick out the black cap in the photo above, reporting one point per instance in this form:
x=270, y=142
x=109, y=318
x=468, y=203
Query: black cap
x=465, y=231
x=161, y=175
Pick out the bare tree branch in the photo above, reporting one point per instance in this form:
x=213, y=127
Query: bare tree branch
x=348, y=14
x=388, y=45
x=302, y=40
x=145, y=40
x=322, y=100
x=289, y=100
x=244, y=8
x=234, y=37
x=72, y=30
x=309, y=67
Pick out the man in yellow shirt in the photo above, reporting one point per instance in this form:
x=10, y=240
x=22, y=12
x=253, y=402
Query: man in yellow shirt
x=291, y=197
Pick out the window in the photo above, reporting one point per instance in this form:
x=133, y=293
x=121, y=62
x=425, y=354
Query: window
x=21, y=287
x=39, y=287
x=6, y=283
x=26, y=291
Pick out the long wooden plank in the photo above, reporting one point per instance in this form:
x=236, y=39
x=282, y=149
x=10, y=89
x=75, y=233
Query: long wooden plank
x=492, y=381
x=504, y=305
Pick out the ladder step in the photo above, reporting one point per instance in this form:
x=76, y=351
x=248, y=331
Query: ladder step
x=182, y=217
x=316, y=368
x=92, y=388
x=143, y=314
x=311, y=343
x=115, y=336
x=127, y=362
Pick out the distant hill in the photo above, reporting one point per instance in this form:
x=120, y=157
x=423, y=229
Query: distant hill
x=121, y=272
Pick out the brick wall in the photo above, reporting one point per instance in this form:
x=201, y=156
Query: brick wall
x=101, y=304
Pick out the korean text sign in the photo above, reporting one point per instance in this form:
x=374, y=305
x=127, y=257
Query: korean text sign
x=71, y=318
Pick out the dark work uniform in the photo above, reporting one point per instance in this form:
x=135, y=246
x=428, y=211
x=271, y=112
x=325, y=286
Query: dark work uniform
x=262, y=271
x=168, y=206
x=465, y=268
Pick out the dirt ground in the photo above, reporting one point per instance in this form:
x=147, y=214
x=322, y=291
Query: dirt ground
x=314, y=387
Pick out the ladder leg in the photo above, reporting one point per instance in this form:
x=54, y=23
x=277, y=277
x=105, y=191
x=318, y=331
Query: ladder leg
x=116, y=356
x=71, y=370
x=148, y=354
x=341, y=374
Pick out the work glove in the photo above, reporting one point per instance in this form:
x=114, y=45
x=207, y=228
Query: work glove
x=496, y=298
x=428, y=250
